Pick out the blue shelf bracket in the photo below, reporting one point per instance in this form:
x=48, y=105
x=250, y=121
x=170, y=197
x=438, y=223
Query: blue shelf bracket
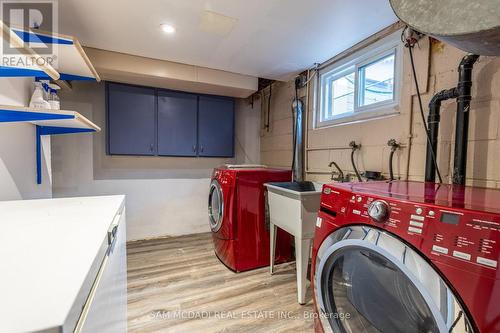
x=50, y=130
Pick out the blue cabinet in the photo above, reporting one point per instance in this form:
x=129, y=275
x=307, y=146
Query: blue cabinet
x=131, y=120
x=216, y=126
x=150, y=121
x=177, y=123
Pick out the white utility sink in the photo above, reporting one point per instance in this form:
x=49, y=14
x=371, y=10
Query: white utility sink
x=293, y=207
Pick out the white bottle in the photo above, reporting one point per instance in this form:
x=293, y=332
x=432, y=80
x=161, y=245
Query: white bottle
x=37, y=99
x=54, y=102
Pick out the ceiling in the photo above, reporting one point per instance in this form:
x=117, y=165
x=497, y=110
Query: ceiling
x=266, y=38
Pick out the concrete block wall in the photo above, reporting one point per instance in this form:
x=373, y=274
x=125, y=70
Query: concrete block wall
x=437, y=69
x=276, y=141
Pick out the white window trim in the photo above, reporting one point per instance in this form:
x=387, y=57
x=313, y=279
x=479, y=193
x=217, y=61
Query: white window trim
x=385, y=46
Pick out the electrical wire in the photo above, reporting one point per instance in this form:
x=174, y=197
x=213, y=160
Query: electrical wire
x=424, y=123
x=269, y=107
x=315, y=68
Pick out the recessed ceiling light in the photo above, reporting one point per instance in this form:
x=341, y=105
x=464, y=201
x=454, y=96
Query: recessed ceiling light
x=167, y=28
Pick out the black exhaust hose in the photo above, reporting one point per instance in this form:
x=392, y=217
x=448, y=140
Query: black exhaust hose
x=433, y=120
x=462, y=118
x=354, y=165
x=391, y=172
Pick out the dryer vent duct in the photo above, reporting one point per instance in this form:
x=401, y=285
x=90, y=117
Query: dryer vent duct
x=473, y=26
x=298, y=143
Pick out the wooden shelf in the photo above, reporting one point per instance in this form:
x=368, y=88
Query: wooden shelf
x=47, y=122
x=47, y=118
x=71, y=63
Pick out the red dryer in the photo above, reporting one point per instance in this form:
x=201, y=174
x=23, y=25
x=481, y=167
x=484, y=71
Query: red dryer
x=407, y=257
x=239, y=219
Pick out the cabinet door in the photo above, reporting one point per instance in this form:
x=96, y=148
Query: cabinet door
x=216, y=126
x=106, y=308
x=131, y=120
x=177, y=123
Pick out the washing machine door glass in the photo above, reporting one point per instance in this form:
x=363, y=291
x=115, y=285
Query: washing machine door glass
x=369, y=281
x=215, y=206
x=374, y=293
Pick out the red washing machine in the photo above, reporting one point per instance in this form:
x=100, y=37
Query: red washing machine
x=407, y=257
x=239, y=219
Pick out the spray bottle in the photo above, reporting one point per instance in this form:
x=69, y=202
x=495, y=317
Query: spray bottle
x=37, y=99
x=53, y=99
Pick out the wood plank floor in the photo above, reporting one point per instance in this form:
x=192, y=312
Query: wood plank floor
x=178, y=285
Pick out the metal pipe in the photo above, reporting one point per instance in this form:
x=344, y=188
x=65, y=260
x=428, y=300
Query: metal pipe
x=462, y=118
x=328, y=148
x=410, y=140
x=306, y=125
x=433, y=120
x=298, y=144
x=340, y=172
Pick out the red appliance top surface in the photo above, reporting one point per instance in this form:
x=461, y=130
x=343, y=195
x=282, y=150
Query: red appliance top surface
x=445, y=195
x=249, y=170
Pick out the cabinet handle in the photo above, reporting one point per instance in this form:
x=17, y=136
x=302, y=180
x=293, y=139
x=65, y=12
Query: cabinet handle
x=194, y=148
x=113, y=228
x=202, y=149
x=151, y=147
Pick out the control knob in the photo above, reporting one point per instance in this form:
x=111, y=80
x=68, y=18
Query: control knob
x=379, y=211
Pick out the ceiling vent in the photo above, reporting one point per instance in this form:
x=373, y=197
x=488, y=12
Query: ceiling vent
x=216, y=23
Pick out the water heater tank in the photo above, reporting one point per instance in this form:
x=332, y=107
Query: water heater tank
x=473, y=26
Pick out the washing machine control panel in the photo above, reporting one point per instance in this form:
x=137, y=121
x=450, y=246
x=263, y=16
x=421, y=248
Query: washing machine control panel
x=456, y=236
x=379, y=211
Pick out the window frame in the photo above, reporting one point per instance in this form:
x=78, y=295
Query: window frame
x=390, y=44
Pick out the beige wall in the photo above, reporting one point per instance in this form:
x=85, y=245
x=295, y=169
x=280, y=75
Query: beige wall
x=17, y=148
x=438, y=63
x=166, y=196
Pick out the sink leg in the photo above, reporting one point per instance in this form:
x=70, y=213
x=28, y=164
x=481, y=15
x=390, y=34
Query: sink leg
x=302, y=251
x=273, y=245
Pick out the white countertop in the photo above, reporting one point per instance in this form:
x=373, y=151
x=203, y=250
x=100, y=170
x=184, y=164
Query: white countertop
x=47, y=247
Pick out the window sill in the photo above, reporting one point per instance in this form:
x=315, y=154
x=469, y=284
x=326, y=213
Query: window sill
x=360, y=117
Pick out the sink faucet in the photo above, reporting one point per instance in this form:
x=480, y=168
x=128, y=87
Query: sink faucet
x=340, y=177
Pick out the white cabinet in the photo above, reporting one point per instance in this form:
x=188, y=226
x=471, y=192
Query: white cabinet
x=57, y=258
x=106, y=308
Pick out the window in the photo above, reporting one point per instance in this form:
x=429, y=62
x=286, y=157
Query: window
x=376, y=81
x=362, y=86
